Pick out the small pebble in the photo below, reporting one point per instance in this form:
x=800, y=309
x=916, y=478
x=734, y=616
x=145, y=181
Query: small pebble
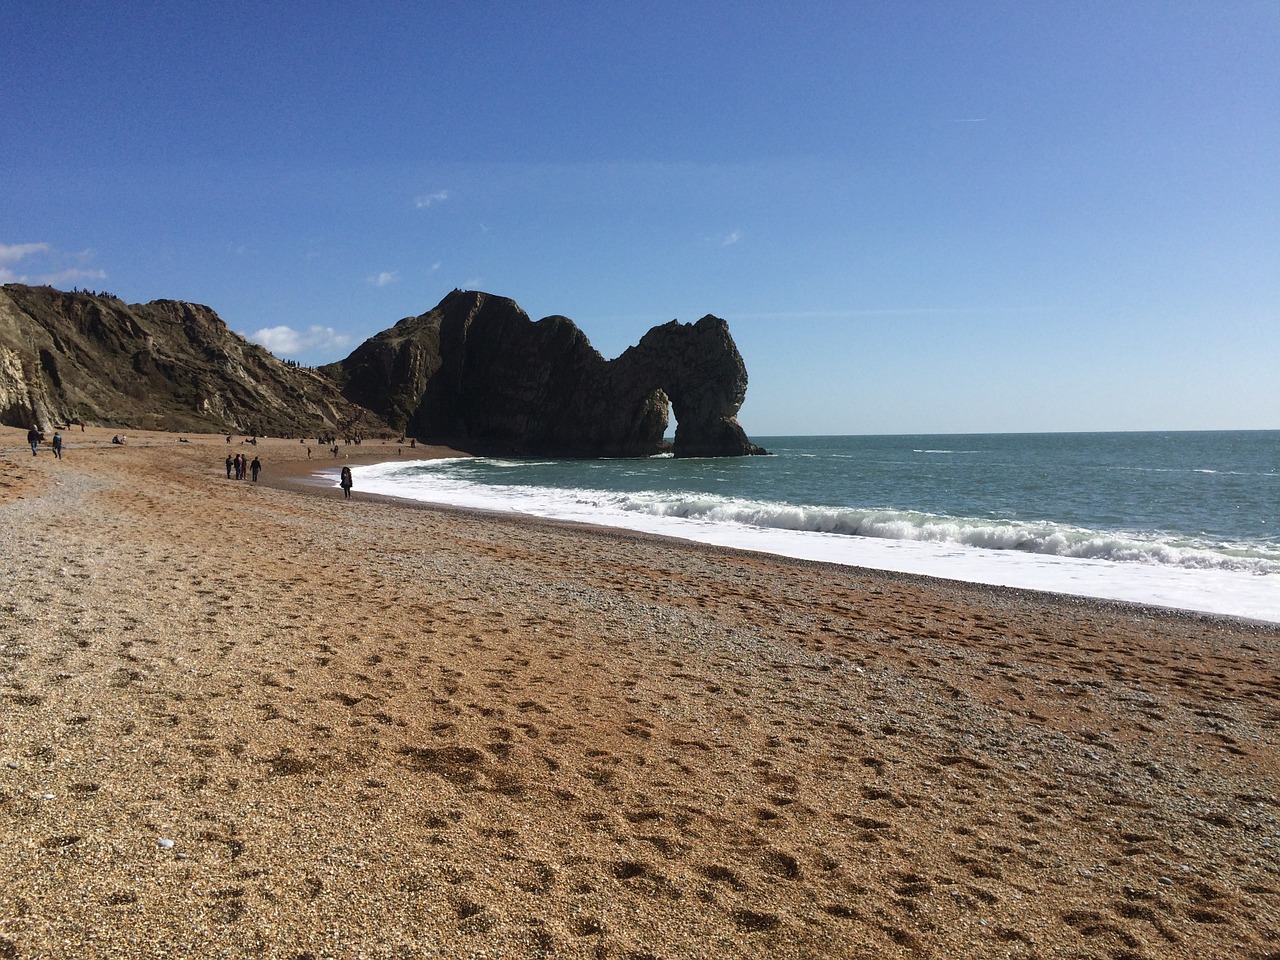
x=164, y=843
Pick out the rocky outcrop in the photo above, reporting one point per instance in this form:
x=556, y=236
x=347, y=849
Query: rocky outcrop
x=164, y=365
x=478, y=373
x=698, y=368
x=474, y=372
x=390, y=371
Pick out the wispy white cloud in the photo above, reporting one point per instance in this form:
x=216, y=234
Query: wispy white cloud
x=429, y=199
x=285, y=340
x=722, y=239
x=43, y=255
x=13, y=252
x=384, y=278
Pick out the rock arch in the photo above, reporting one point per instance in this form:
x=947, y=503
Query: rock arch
x=697, y=367
x=487, y=378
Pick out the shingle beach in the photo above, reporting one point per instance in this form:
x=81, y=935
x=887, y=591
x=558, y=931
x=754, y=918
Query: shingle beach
x=253, y=719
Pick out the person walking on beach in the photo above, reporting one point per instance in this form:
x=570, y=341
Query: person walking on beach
x=34, y=436
x=57, y=445
x=254, y=468
x=346, y=483
x=230, y=464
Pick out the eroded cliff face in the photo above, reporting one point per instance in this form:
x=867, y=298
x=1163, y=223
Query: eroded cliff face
x=698, y=368
x=474, y=372
x=390, y=371
x=477, y=372
x=165, y=365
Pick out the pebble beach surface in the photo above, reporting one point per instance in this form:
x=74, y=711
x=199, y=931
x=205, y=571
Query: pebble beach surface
x=253, y=719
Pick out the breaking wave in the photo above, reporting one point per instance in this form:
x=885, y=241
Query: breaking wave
x=1040, y=537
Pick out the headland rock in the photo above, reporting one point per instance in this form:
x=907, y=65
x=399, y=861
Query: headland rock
x=474, y=372
x=477, y=372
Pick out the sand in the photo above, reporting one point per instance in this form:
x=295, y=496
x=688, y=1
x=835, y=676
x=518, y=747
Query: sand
x=255, y=720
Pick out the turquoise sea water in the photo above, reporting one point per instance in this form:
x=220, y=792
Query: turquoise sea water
x=1179, y=501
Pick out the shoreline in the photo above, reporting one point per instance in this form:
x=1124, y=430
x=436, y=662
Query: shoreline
x=290, y=469
x=382, y=727
x=300, y=480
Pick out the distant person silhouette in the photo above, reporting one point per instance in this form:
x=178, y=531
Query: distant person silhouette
x=346, y=483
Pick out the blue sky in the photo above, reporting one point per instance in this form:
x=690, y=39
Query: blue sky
x=916, y=217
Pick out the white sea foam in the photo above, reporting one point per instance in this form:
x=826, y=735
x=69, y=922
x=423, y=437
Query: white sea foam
x=1214, y=578
x=1044, y=538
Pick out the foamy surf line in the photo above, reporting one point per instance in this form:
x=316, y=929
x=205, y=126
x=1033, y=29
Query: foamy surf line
x=1216, y=591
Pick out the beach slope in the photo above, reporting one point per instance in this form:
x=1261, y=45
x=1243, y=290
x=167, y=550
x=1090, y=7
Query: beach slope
x=242, y=719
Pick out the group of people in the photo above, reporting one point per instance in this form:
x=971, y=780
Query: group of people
x=242, y=467
x=35, y=437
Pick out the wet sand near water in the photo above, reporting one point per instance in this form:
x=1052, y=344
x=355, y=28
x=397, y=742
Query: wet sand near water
x=244, y=719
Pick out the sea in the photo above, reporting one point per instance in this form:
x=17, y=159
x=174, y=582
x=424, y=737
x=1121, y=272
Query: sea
x=1188, y=520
